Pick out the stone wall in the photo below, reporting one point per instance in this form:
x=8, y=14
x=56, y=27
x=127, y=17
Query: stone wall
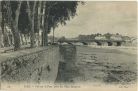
x=31, y=65
x=67, y=67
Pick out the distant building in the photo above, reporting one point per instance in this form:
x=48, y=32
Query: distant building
x=100, y=37
x=82, y=37
x=116, y=37
x=126, y=38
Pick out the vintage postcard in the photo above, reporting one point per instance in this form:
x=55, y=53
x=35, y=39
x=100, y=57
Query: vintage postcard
x=68, y=45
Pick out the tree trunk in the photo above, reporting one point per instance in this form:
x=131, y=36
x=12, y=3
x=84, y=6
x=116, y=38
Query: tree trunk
x=25, y=36
x=22, y=39
x=53, y=35
x=0, y=27
x=3, y=31
x=4, y=38
x=31, y=19
x=45, y=29
x=7, y=37
x=39, y=20
x=45, y=36
x=32, y=29
x=32, y=37
x=0, y=38
x=16, y=36
x=43, y=25
x=15, y=28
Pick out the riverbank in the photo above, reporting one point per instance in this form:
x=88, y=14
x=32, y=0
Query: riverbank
x=36, y=65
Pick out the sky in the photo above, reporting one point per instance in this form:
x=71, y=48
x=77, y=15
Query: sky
x=101, y=17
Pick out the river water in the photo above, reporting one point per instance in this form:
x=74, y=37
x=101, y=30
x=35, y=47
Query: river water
x=84, y=64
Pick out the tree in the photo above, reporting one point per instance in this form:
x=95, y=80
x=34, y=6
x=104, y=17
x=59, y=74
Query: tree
x=62, y=38
x=108, y=35
x=10, y=16
x=15, y=8
x=0, y=26
x=27, y=17
x=24, y=23
x=61, y=11
x=31, y=13
x=4, y=10
x=39, y=19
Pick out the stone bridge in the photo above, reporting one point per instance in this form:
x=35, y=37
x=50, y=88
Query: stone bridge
x=98, y=42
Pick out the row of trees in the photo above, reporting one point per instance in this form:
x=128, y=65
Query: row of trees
x=29, y=17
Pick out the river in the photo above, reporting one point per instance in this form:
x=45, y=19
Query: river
x=85, y=64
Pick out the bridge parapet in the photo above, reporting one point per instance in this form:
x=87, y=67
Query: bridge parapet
x=98, y=41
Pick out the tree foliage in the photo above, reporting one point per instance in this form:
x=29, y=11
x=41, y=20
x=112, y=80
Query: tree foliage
x=59, y=12
x=27, y=18
x=24, y=25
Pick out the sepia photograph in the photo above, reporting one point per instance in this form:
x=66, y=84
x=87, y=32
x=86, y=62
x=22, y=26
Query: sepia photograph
x=68, y=45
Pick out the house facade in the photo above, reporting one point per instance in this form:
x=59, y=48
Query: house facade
x=100, y=37
x=116, y=37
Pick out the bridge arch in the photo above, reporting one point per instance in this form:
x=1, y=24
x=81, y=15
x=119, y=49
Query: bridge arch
x=99, y=43
x=110, y=43
x=70, y=43
x=118, y=43
x=84, y=43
